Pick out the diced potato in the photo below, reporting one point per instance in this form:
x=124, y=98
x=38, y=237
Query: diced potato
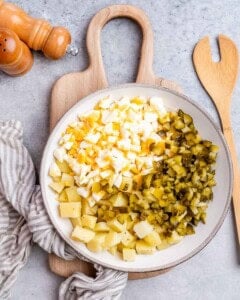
x=82, y=234
x=83, y=192
x=93, y=210
x=129, y=254
x=119, y=200
x=87, y=209
x=120, y=247
x=57, y=179
x=98, y=196
x=129, y=225
x=67, y=179
x=115, y=225
x=112, y=239
x=153, y=239
x=123, y=218
x=134, y=215
x=97, y=243
x=57, y=186
x=92, y=204
x=100, y=236
x=72, y=194
x=143, y=248
x=54, y=170
x=127, y=238
x=76, y=222
x=164, y=244
x=70, y=209
x=63, y=197
x=175, y=238
x=94, y=246
x=101, y=227
x=131, y=245
x=113, y=250
x=142, y=229
x=96, y=187
x=64, y=167
x=89, y=221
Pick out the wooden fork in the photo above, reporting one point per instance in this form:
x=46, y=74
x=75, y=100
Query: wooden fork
x=219, y=79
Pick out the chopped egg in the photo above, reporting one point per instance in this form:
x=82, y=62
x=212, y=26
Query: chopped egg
x=109, y=116
x=65, y=138
x=124, y=144
x=135, y=148
x=93, y=174
x=109, y=128
x=84, y=145
x=112, y=139
x=98, y=196
x=102, y=163
x=156, y=102
x=92, y=138
x=106, y=174
x=106, y=102
x=150, y=116
x=76, y=167
x=131, y=156
x=118, y=180
x=84, y=192
x=155, y=137
x=68, y=145
x=124, y=101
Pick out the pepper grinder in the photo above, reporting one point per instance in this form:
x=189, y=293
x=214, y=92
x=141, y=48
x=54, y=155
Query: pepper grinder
x=38, y=34
x=15, y=57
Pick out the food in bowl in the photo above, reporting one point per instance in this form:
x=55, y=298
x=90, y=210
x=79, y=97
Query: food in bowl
x=133, y=177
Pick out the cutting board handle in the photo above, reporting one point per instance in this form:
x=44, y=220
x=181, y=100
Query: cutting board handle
x=145, y=72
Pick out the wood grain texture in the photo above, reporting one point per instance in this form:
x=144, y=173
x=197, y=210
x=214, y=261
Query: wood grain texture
x=70, y=88
x=219, y=80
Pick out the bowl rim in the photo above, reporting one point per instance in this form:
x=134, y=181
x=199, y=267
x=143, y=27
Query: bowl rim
x=193, y=252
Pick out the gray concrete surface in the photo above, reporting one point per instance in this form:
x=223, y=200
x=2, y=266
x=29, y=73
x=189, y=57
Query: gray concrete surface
x=178, y=24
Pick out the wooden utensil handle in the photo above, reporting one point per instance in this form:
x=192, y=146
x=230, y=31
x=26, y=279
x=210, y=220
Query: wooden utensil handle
x=228, y=133
x=225, y=117
x=145, y=72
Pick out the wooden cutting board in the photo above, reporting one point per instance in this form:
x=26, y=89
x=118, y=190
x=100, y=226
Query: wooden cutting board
x=72, y=87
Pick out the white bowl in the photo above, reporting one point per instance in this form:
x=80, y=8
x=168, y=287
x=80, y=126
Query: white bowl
x=217, y=208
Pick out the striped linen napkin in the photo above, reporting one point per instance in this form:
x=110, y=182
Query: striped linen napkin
x=23, y=220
